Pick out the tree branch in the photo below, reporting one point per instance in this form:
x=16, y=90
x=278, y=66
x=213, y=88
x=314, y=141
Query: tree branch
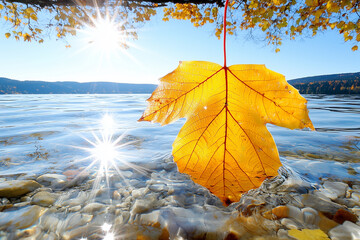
x=52, y=3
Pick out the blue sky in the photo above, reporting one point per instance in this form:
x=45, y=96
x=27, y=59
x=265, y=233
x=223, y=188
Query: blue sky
x=161, y=45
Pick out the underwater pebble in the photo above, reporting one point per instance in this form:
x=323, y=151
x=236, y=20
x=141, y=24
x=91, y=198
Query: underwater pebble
x=72, y=202
x=76, y=219
x=150, y=218
x=158, y=187
x=116, y=195
x=17, y=188
x=356, y=210
x=339, y=188
x=141, y=206
x=290, y=224
x=29, y=233
x=282, y=234
x=170, y=166
x=320, y=204
x=356, y=197
x=50, y=179
x=76, y=233
x=346, y=231
x=21, y=204
x=326, y=193
x=93, y=207
x=310, y=216
x=22, y=218
x=74, y=209
x=141, y=192
x=43, y=199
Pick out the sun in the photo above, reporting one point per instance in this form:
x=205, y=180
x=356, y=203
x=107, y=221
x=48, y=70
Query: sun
x=106, y=35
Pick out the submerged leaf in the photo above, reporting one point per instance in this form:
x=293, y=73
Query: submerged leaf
x=306, y=234
x=224, y=145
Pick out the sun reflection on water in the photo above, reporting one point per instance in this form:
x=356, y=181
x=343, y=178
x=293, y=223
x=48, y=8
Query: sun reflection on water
x=106, y=156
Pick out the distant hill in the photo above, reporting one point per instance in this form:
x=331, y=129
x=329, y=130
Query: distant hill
x=9, y=86
x=344, y=83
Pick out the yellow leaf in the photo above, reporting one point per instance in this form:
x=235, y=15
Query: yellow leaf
x=354, y=48
x=34, y=17
x=277, y=50
x=1, y=7
x=332, y=6
x=312, y=3
x=29, y=11
x=224, y=144
x=7, y=35
x=308, y=234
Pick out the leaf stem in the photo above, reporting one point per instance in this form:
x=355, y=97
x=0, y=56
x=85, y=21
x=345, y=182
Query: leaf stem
x=225, y=8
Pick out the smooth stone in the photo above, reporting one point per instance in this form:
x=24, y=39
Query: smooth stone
x=29, y=233
x=51, y=179
x=356, y=211
x=290, y=224
x=21, y=204
x=350, y=203
x=310, y=216
x=140, y=206
x=116, y=195
x=76, y=233
x=339, y=188
x=356, y=197
x=296, y=201
x=72, y=202
x=93, y=207
x=170, y=166
x=43, y=199
x=75, y=208
x=20, y=219
x=158, y=187
x=295, y=213
x=320, y=204
x=282, y=234
x=76, y=219
x=17, y=188
x=326, y=193
x=151, y=218
x=144, y=205
x=346, y=231
x=137, y=193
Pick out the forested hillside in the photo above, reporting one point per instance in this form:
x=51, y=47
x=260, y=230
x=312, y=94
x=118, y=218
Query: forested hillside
x=8, y=86
x=346, y=83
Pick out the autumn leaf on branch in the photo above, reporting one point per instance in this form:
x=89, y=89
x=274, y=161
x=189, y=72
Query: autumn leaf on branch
x=224, y=144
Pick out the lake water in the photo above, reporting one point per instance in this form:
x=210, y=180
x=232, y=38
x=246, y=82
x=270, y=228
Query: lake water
x=42, y=134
